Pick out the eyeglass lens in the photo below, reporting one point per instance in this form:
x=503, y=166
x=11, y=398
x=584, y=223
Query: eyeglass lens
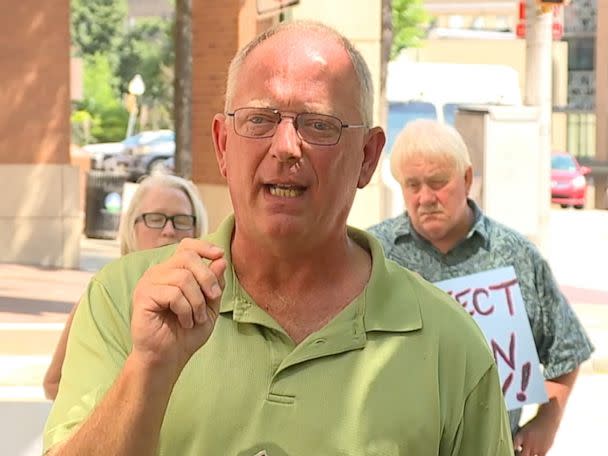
x=312, y=127
x=156, y=220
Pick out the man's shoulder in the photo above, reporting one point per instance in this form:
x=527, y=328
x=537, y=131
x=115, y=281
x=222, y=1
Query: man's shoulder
x=387, y=225
x=443, y=319
x=389, y=230
x=127, y=269
x=503, y=236
x=435, y=303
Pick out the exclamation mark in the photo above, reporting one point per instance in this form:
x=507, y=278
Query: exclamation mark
x=525, y=379
x=507, y=383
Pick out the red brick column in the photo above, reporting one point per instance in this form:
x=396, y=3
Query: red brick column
x=219, y=29
x=35, y=69
x=40, y=219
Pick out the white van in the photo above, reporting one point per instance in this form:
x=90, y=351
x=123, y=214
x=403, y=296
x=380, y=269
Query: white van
x=434, y=90
x=417, y=90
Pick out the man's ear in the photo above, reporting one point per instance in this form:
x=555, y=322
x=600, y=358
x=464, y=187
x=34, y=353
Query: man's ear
x=468, y=178
x=371, y=154
x=219, y=133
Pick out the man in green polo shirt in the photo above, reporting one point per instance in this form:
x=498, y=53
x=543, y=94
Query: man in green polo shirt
x=284, y=332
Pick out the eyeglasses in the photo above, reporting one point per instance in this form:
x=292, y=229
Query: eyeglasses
x=157, y=221
x=317, y=129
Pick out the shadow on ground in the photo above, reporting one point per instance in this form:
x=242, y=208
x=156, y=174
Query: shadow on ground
x=33, y=306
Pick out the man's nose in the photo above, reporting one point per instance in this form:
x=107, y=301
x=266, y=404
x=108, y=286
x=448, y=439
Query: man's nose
x=286, y=143
x=427, y=196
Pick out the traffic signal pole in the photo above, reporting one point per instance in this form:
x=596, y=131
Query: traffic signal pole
x=182, y=97
x=538, y=93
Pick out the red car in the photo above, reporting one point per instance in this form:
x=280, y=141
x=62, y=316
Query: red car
x=568, y=182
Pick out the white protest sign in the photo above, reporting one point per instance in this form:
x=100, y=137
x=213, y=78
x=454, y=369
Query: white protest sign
x=493, y=298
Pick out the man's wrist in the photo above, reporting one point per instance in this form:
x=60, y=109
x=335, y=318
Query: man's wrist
x=151, y=372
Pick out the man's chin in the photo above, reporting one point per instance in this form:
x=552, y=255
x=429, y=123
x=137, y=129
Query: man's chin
x=432, y=231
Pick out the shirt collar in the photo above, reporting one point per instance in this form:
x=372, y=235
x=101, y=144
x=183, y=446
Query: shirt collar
x=395, y=305
x=480, y=225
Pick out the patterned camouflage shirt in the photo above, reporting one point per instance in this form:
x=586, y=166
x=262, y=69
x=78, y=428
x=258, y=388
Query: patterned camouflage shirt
x=560, y=339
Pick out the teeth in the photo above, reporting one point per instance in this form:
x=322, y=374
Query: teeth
x=285, y=192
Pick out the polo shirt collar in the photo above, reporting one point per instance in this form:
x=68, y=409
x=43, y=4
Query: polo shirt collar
x=386, y=304
x=480, y=225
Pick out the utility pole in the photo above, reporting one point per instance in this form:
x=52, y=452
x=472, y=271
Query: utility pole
x=182, y=96
x=538, y=93
x=601, y=102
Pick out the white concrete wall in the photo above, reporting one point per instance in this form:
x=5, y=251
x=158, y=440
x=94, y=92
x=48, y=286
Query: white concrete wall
x=40, y=217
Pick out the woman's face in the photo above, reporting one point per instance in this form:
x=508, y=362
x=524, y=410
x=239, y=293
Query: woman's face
x=168, y=202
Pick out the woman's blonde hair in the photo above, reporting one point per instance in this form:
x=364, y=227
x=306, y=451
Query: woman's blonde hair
x=126, y=231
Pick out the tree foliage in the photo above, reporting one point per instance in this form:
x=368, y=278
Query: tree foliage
x=408, y=18
x=97, y=25
x=147, y=48
x=102, y=100
x=114, y=50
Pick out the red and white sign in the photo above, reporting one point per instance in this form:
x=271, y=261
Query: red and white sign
x=557, y=27
x=493, y=298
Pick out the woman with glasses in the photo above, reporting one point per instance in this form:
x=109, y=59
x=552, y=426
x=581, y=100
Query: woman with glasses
x=164, y=210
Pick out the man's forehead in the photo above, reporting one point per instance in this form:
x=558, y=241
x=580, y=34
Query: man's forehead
x=419, y=166
x=289, y=48
x=305, y=106
x=305, y=79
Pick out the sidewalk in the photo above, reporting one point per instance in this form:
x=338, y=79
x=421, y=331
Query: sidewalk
x=34, y=304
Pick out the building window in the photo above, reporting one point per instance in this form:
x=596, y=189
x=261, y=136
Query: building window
x=581, y=54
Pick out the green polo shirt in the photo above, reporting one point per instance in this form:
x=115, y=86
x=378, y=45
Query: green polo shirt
x=402, y=370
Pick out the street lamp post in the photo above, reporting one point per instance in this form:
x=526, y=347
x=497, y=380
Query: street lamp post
x=136, y=88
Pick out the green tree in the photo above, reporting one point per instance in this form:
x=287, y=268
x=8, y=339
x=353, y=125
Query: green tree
x=113, y=52
x=102, y=99
x=147, y=49
x=97, y=25
x=408, y=18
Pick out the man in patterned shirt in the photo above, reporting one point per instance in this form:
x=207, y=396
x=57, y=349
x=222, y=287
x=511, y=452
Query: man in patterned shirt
x=443, y=235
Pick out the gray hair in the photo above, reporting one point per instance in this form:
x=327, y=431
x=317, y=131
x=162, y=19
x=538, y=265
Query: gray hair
x=427, y=138
x=126, y=231
x=366, y=89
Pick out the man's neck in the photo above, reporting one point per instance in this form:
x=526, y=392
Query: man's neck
x=278, y=262
x=302, y=289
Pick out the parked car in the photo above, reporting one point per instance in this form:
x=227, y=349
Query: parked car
x=145, y=158
x=100, y=152
x=108, y=156
x=168, y=165
x=568, y=181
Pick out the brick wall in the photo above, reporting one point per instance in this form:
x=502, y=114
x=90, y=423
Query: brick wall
x=215, y=40
x=219, y=29
x=35, y=75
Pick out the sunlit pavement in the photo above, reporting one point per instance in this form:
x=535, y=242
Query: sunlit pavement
x=584, y=426
x=34, y=304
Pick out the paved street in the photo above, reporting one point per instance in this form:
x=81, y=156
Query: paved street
x=34, y=303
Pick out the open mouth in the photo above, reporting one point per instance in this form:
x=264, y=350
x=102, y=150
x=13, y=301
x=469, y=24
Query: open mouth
x=285, y=191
